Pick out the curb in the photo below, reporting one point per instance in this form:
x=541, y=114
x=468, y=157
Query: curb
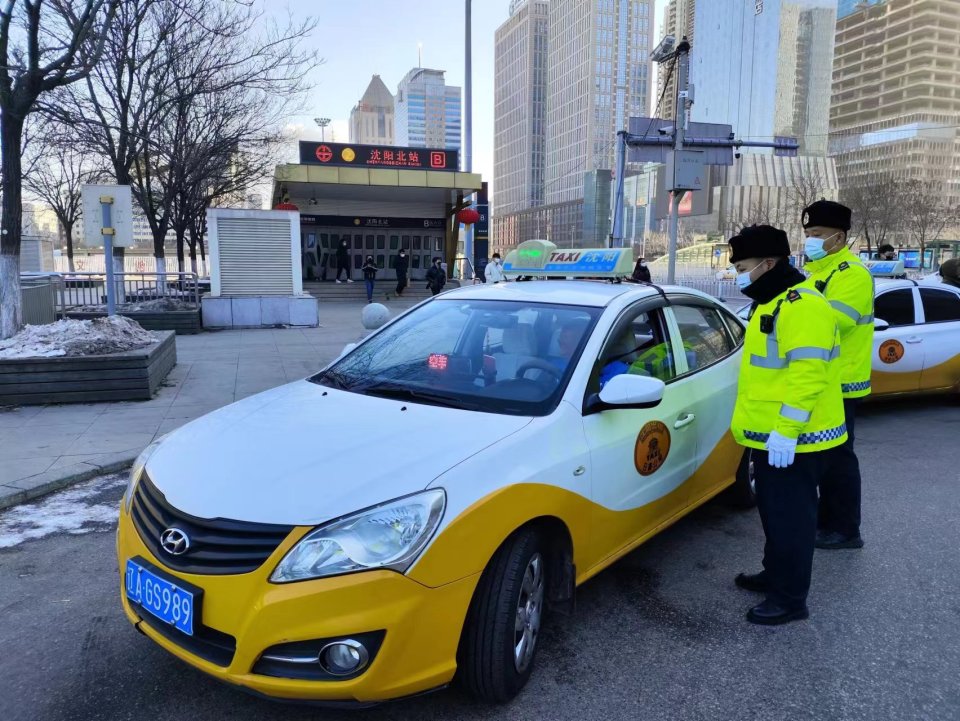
x=45, y=483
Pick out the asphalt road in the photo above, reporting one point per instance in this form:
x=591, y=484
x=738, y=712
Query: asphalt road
x=658, y=636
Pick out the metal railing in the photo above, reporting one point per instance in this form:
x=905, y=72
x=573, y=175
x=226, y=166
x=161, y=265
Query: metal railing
x=725, y=289
x=39, y=292
x=463, y=269
x=87, y=292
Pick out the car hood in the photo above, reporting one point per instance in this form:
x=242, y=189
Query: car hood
x=302, y=454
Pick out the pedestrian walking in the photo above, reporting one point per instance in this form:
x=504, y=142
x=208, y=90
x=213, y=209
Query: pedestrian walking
x=436, y=277
x=343, y=261
x=369, y=276
x=641, y=273
x=402, y=267
x=789, y=413
x=493, y=271
x=847, y=285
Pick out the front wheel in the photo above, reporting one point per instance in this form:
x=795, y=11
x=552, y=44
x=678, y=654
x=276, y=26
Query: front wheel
x=503, y=624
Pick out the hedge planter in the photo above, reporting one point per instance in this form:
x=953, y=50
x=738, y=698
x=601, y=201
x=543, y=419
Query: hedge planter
x=131, y=376
x=184, y=322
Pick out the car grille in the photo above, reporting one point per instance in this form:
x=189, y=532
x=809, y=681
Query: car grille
x=217, y=547
x=207, y=643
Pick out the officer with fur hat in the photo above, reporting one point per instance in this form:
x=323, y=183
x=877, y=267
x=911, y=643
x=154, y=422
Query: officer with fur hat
x=789, y=414
x=848, y=287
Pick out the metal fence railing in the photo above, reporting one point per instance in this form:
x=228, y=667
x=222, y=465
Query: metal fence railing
x=39, y=293
x=134, y=292
x=726, y=289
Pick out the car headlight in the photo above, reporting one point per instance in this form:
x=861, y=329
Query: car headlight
x=390, y=535
x=137, y=470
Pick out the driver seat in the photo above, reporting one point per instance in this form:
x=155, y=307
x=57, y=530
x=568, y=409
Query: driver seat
x=519, y=347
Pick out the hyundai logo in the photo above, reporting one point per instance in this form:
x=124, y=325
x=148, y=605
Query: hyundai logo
x=174, y=541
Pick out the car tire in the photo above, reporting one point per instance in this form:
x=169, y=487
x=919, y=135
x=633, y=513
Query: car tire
x=743, y=493
x=496, y=658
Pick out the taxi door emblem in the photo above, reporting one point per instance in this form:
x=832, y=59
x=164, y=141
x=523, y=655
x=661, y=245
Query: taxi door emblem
x=652, y=448
x=891, y=351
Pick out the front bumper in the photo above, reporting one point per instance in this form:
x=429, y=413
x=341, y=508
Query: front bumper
x=422, y=625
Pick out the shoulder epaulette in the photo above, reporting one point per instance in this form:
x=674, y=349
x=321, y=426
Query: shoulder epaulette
x=843, y=266
x=793, y=296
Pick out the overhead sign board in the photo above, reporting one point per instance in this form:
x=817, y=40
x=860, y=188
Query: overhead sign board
x=121, y=214
x=349, y=155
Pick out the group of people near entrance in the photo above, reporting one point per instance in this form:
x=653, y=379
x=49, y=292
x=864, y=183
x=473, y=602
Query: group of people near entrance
x=806, y=366
x=436, y=275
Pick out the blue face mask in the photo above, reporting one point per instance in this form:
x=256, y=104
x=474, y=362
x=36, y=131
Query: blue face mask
x=744, y=280
x=813, y=247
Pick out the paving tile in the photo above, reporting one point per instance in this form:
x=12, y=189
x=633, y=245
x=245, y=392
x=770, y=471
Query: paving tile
x=14, y=470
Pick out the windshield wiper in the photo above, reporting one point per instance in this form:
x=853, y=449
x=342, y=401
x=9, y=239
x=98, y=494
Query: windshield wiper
x=335, y=379
x=390, y=390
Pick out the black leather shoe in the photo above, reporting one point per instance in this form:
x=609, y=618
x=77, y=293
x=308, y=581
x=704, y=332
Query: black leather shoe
x=756, y=582
x=832, y=540
x=770, y=613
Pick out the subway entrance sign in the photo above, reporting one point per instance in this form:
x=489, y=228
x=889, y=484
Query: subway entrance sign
x=349, y=155
x=542, y=258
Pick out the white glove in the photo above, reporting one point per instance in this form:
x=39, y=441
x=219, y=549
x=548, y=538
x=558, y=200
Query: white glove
x=781, y=450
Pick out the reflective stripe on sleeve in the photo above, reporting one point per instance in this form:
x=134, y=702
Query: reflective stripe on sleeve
x=794, y=414
x=852, y=387
x=804, y=439
x=851, y=312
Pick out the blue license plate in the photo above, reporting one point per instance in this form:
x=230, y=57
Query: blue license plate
x=159, y=597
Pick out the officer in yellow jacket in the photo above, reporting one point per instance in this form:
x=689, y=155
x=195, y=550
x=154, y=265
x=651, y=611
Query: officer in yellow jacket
x=848, y=286
x=789, y=412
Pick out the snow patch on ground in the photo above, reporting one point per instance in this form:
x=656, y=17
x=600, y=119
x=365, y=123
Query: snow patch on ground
x=76, y=511
x=152, y=306
x=114, y=334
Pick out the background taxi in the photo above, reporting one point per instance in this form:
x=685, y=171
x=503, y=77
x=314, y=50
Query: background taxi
x=408, y=514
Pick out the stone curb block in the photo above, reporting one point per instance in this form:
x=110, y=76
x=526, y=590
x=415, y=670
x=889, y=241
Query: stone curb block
x=42, y=484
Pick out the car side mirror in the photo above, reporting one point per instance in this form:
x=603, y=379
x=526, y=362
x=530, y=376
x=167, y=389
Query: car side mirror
x=880, y=324
x=626, y=391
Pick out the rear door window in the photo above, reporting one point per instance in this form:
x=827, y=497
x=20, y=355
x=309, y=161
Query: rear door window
x=940, y=306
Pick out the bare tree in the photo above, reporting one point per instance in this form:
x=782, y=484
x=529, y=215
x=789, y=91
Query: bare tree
x=878, y=208
x=58, y=175
x=927, y=212
x=42, y=47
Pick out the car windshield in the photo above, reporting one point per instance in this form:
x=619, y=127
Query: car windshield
x=492, y=356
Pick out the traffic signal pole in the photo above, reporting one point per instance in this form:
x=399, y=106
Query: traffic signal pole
x=676, y=141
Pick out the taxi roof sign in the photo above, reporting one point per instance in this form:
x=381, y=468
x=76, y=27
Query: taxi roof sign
x=543, y=258
x=885, y=268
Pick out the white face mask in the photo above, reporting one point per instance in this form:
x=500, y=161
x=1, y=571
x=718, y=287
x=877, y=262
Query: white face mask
x=744, y=280
x=813, y=246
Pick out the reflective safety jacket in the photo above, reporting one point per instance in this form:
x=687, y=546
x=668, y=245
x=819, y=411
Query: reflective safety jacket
x=849, y=289
x=790, y=374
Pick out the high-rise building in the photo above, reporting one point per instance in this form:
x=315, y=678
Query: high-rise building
x=677, y=21
x=427, y=111
x=371, y=120
x=896, y=93
x=765, y=68
x=520, y=103
x=598, y=77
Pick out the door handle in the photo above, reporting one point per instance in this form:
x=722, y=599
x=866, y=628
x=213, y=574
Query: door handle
x=914, y=339
x=684, y=420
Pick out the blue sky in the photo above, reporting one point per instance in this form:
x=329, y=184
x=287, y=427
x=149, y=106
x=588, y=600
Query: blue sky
x=360, y=38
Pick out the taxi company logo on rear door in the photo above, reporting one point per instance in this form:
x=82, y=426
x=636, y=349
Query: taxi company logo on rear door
x=891, y=351
x=653, y=446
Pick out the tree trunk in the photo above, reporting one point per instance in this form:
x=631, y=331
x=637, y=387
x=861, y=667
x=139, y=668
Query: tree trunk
x=11, y=138
x=68, y=231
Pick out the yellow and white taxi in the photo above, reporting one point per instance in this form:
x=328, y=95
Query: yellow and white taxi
x=916, y=346
x=408, y=514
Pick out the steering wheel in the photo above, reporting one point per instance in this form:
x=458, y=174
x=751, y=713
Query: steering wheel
x=542, y=365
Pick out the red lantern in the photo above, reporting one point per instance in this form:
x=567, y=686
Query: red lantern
x=468, y=216
x=285, y=206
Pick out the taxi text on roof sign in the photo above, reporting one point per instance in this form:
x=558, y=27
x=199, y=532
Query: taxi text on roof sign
x=543, y=258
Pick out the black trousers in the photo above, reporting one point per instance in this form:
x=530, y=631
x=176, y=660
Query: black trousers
x=787, y=501
x=345, y=267
x=840, y=487
x=401, y=282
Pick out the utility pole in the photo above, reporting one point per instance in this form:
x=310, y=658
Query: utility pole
x=323, y=123
x=468, y=124
x=686, y=151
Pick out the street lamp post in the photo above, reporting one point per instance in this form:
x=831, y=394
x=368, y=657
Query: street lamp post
x=468, y=120
x=323, y=123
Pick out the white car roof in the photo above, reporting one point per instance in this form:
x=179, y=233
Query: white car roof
x=597, y=294
x=890, y=283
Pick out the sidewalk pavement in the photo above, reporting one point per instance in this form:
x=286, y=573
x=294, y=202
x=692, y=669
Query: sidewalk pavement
x=44, y=448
